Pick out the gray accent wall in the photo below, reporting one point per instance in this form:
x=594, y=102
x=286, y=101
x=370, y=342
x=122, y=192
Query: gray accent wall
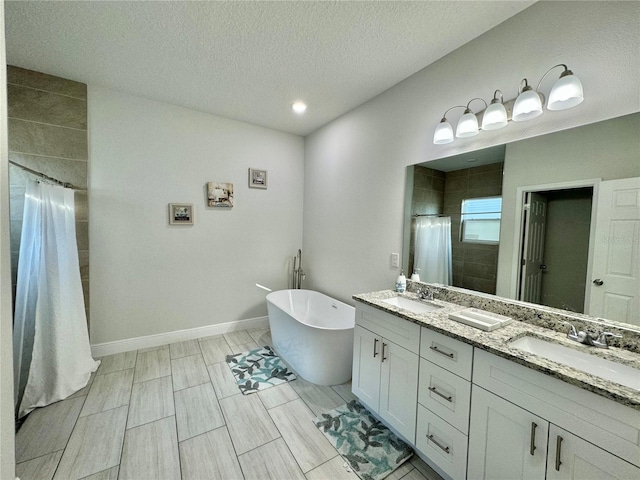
x=48, y=133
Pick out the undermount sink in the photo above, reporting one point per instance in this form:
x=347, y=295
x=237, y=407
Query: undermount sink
x=413, y=306
x=591, y=364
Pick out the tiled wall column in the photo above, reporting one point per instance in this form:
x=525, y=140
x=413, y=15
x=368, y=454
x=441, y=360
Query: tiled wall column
x=475, y=266
x=48, y=133
x=428, y=198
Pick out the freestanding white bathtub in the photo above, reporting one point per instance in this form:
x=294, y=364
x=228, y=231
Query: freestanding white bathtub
x=313, y=333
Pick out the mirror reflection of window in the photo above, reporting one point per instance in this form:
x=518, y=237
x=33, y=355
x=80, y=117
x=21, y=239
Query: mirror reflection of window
x=481, y=220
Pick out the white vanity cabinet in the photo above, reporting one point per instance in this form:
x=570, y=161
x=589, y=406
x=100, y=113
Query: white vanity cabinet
x=578, y=459
x=506, y=441
x=576, y=434
x=510, y=443
x=444, y=396
x=385, y=367
x=475, y=415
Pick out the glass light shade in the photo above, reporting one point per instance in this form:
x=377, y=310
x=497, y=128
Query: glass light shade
x=467, y=125
x=495, y=117
x=566, y=93
x=527, y=106
x=443, y=133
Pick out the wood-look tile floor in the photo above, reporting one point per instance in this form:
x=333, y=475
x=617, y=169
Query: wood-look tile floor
x=175, y=412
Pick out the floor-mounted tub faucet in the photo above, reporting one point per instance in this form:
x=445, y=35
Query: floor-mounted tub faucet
x=298, y=274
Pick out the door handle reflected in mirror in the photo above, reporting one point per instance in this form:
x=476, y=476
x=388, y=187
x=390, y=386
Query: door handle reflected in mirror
x=598, y=283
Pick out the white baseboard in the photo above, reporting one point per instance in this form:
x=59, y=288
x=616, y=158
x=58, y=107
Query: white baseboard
x=128, y=344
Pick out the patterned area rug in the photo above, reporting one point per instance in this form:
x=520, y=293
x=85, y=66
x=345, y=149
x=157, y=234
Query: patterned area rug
x=258, y=369
x=370, y=448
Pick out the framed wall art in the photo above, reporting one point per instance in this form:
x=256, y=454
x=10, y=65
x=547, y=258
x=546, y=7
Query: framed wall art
x=180, y=214
x=257, y=178
x=220, y=194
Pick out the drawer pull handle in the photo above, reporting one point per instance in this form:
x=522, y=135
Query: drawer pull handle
x=438, y=444
x=436, y=349
x=448, y=399
x=375, y=347
x=558, y=448
x=532, y=445
x=383, y=357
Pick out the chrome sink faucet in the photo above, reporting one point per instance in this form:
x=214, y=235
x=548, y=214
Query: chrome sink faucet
x=424, y=294
x=601, y=341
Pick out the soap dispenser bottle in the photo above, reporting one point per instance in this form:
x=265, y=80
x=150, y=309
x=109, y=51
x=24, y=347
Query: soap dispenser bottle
x=415, y=277
x=401, y=282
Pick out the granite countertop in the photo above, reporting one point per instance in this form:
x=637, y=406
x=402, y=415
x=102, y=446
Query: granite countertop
x=496, y=342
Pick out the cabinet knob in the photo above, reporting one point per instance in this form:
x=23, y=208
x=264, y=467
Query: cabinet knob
x=598, y=283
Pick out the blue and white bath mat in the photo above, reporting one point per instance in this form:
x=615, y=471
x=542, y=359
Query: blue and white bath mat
x=371, y=449
x=258, y=369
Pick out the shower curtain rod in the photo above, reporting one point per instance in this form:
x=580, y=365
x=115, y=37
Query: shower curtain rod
x=446, y=214
x=47, y=177
x=432, y=215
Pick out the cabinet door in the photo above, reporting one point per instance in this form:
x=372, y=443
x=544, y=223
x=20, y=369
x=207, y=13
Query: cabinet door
x=365, y=383
x=399, y=388
x=571, y=457
x=505, y=441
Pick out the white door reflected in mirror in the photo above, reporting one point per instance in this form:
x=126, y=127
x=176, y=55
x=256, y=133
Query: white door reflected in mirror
x=615, y=290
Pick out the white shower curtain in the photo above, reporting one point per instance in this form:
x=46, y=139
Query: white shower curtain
x=52, y=355
x=433, y=249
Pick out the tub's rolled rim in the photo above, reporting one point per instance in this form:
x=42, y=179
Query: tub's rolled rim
x=334, y=329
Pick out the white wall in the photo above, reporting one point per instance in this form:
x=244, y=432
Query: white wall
x=148, y=277
x=607, y=150
x=7, y=427
x=355, y=166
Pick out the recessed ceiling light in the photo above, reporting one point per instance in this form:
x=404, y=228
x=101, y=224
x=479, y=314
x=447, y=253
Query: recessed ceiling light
x=299, y=107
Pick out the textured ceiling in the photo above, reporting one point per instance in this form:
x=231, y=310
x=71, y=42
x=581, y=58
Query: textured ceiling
x=246, y=60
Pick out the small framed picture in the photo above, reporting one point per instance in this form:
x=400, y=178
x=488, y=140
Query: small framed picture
x=180, y=214
x=257, y=178
x=220, y=194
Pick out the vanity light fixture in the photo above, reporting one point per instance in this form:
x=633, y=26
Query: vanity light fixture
x=299, y=107
x=468, y=123
x=528, y=104
x=495, y=116
x=566, y=93
x=444, y=130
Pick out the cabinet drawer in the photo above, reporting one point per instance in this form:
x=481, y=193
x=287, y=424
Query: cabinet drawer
x=445, y=394
x=441, y=443
x=448, y=353
x=398, y=330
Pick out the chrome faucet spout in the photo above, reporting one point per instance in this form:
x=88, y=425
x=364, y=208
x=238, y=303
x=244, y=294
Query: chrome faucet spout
x=586, y=338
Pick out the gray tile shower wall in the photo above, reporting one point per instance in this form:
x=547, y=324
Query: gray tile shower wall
x=48, y=133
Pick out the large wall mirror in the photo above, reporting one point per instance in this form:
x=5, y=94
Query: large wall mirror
x=552, y=220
